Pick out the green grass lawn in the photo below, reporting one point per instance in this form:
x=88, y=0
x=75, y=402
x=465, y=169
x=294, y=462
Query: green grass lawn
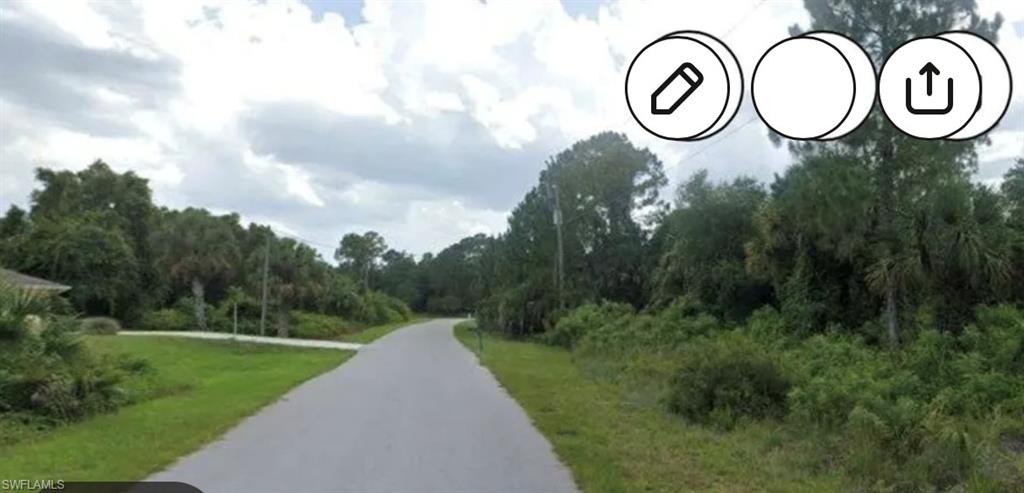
x=613, y=443
x=371, y=334
x=195, y=392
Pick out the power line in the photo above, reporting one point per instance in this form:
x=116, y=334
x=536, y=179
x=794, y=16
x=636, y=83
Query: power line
x=744, y=18
x=717, y=141
x=299, y=238
x=750, y=120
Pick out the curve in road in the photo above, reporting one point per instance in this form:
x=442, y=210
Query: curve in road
x=412, y=412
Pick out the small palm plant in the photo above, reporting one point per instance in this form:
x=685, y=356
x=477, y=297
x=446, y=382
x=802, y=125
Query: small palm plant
x=17, y=309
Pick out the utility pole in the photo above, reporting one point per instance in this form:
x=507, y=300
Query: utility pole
x=263, y=307
x=559, y=255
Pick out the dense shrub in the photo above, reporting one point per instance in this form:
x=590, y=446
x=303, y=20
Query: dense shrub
x=100, y=325
x=668, y=330
x=166, y=319
x=308, y=325
x=248, y=310
x=46, y=371
x=520, y=310
x=449, y=305
x=943, y=412
x=837, y=374
x=998, y=338
x=767, y=326
x=725, y=377
x=909, y=418
x=222, y=320
x=379, y=308
x=571, y=327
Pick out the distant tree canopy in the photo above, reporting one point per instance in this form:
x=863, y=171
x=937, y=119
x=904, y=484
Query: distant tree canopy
x=99, y=231
x=359, y=254
x=603, y=194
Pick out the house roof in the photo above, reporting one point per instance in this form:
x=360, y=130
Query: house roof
x=28, y=282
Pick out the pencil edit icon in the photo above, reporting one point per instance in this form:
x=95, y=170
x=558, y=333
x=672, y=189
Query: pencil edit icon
x=675, y=89
x=685, y=86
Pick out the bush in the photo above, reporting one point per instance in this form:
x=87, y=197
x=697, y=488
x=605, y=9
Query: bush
x=998, y=338
x=48, y=372
x=766, y=325
x=725, y=377
x=837, y=374
x=249, y=310
x=681, y=322
x=668, y=331
x=379, y=308
x=518, y=311
x=318, y=326
x=448, y=305
x=166, y=319
x=571, y=327
x=100, y=325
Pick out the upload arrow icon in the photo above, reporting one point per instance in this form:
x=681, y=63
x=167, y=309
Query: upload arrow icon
x=955, y=85
x=928, y=70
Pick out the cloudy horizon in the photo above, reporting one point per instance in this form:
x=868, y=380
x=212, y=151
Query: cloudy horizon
x=426, y=122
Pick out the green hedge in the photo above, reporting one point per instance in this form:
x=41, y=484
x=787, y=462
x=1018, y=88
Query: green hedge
x=166, y=319
x=308, y=325
x=378, y=308
x=99, y=325
x=726, y=377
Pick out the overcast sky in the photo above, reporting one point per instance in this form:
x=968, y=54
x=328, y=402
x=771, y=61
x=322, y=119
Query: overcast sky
x=424, y=121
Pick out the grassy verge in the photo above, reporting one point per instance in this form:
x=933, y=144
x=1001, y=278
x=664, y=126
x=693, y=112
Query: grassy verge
x=613, y=443
x=371, y=334
x=195, y=392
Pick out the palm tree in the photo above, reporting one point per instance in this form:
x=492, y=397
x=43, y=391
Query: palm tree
x=197, y=248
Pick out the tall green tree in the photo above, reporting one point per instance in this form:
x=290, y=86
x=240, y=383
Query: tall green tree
x=706, y=234
x=1013, y=193
x=457, y=277
x=399, y=276
x=298, y=279
x=87, y=253
x=14, y=223
x=14, y=228
x=901, y=172
x=360, y=253
x=198, y=249
x=581, y=233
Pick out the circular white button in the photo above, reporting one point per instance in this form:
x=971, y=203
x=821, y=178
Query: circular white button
x=803, y=88
x=679, y=86
x=929, y=88
x=996, y=82
x=864, y=80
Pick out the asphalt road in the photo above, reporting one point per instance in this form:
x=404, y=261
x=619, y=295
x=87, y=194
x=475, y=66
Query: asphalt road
x=412, y=412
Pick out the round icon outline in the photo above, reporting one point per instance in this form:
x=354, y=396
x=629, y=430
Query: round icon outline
x=882, y=71
x=853, y=83
x=1009, y=77
x=700, y=135
x=874, y=81
x=739, y=68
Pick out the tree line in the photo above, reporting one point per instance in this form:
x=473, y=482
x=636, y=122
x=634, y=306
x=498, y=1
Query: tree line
x=100, y=232
x=824, y=243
